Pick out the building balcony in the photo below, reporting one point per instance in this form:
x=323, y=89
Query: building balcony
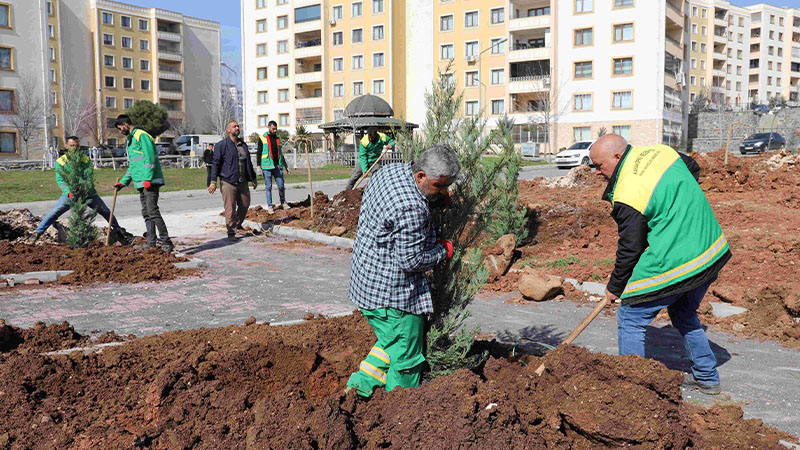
x=529, y=54
x=308, y=116
x=310, y=102
x=671, y=82
x=674, y=47
x=174, y=37
x=299, y=3
x=721, y=38
x=674, y=14
x=720, y=56
x=308, y=77
x=170, y=76
x=170, y=95
x=305, y=52
x=519, y=85
x=719, y=73
x=170, y=56
x=720, y=21
x=311, y=25
x=175, y=114
x=529, y=23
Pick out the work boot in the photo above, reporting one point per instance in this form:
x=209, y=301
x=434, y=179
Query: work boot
x=33, y=238
x=145, y=246
x=270, y=210
x=232, y=238
x=167, y=246
x=690, y=383
x=285, y=206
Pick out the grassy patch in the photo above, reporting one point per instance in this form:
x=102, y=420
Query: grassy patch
x=596, y=277
x=563, y=262
x=36, y=185
x=604, y=262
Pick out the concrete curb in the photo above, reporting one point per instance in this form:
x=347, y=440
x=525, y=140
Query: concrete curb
x=297, y=233
x=193, y=263
x=46, y=276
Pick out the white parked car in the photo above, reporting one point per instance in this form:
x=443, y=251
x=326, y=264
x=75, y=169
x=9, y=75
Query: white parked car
x=576, y=155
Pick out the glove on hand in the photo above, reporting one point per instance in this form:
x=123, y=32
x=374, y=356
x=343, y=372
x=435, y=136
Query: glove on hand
x=146, y=184
x=448, y=245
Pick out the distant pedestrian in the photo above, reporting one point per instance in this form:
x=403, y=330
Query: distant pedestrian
x=232, y=164
x=208, y=158
x=370, y=148
x=270, y=158
x=144, y=169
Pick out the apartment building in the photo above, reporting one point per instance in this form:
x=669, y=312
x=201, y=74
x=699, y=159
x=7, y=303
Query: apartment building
x=774, y=53
x=104, y=55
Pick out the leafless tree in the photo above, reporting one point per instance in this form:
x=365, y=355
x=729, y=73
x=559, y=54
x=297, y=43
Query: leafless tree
x=79, y=110
x=551, y=105
x=221, y=110
x=29, y=110
x=182, y=126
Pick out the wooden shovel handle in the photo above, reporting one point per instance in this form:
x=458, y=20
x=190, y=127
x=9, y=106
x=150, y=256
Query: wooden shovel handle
x=111, y=216
x=577, y=331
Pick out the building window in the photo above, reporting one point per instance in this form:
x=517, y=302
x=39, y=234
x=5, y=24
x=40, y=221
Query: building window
x=377, y=86
x=6, y=58
x=124, y=21
x=623, y=66
x=358, y=88
x=283, y=22
x=582, y=102
x=108, y=18
x=581, y=133
x=498, y=46
x=356, y=9
x=127, y=63
x=498, y=76
x=622, y=100
x=377, y=32
x=702, y=64
x=694, y=46
x=704, y=13
x=144, y=85
x=283, y=71
x=702, y=47
x=337, y=12
x=5, y=16
x=144, y=25
x=127, y=103
x=378, y=60
x=358, y=62
x=357, y=36
x=471, y=108
x=448, y=79
x=261, y=73
x=53, y=100
x=7, y=100
x=704, y=30
x=446, y=23
x=109, y=81
x=497, y=16
x=446, y=51
x=471, y=49
x=583, y=69
x=623, y=32
x=8, y=142
x=498, y=107
x=261, y=3
x=261, y=49
x=144, y=45
x=144, y=65
x=108, y=60
x=583, y=37
x=739, y=86
x=338, y=64
x=126, y=42
x=108, y=39
x=283, y=95
x=280, y=2
x=49, y=8
x=471, y=78
x=51, y=31
x=471, y=19
x=338, y=38
x=694, y=28
x=263, y=97
x=583, y=6
x=283, y=120
x=53, y=78
x=127, y=83
x=338, y=90
x=623, y=3
x=622, y=130
x=377, y=6
x=283, y=47
x=261, y=26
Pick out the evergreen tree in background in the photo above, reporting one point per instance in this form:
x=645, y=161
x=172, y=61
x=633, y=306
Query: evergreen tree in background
x=149, y=117
x=78, y=174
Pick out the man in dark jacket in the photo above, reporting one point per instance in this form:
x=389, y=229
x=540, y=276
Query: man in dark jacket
x=670, y=248
x=208, y=158
x=232, y=164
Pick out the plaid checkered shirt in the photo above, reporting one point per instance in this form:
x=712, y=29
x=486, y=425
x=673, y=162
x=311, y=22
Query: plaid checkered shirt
x=395, y=244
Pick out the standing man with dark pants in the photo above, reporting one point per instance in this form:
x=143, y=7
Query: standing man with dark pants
x=370, y=148
x=144, y=170
x=670, y=248
x=270, y=158
x=208, y=158
x=232, y=164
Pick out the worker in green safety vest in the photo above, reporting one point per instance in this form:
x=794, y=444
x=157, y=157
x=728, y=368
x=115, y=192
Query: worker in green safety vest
x=270, y=159
x=370, y=148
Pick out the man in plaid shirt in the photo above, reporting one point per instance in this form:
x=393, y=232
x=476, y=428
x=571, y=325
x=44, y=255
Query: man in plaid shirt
x=395, y=245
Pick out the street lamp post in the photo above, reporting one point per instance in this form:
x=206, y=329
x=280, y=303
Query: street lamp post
x=477, y=60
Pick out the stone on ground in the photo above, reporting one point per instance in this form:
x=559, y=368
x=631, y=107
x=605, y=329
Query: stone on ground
x=498, y=257
x=539, y=287
x=338, y=231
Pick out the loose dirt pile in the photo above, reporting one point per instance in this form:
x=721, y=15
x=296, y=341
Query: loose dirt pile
x=282, y=387
x=95, y=264
x=47, y=338
x=329, y=214
x=17, y=225
x=747, y=174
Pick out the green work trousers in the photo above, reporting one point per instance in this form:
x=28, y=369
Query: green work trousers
x=396, y=359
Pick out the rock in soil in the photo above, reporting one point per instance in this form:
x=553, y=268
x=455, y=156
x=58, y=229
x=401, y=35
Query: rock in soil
x=17, y=225
x=498, y=257
x=282, y=387
x=538, y=287
x=337, y=231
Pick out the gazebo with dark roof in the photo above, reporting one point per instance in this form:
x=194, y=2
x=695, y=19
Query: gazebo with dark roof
x=366, y=111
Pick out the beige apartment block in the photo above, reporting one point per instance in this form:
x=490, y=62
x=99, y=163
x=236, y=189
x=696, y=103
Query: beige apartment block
x=102, y=56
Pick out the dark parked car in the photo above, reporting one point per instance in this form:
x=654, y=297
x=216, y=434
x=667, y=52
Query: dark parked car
x=761, y=109
x=164, y=148
x=762, y=142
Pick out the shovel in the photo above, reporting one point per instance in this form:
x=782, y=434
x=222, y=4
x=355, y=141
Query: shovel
x=370, y=169
x=577, y=331
x=111, y=217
